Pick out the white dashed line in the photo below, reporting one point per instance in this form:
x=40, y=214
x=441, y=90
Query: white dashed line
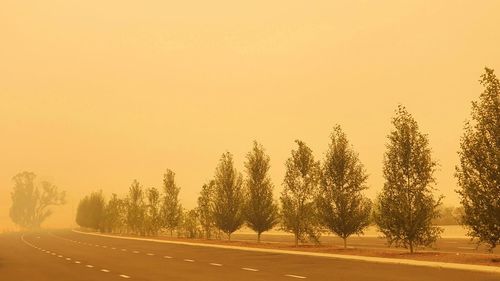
x=104, y=246
x=89, y=266
x=104, y=270
x=77, y=262
x=295, y=276
x=167, y=257
x=53, y=254
x=150, y=254
x=124, y=276
x=59, y=256
x=215, y=264
x=249, y=269
x=68, y=259
x=113, y=248
x=188, y=260
x=124, y=250
x=135, y=252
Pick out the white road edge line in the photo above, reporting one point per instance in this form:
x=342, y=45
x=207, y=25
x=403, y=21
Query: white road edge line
x=456, y=266
x=295, y=276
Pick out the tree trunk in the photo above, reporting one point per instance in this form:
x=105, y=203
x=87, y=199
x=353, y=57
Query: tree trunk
x=411, y=247
x=258, y=237
x=345, y=243
x=171, y=232
x=296, y=240
x=229, y=236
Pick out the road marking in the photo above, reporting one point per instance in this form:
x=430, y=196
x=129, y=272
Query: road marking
x=104, y=270
x=104, y=246
x=249, y=269
x=68, y=259
x=150, y=254
x=113, y=248
x=295, y=276
x=215, y=264
x=124, y=250
x=135, y=252
x=188, y=260
x=89, y=266
x=77, y=262
x=59, y=256
x=53, y=254
x=466, y=248
x=124, y=276
x=167, y=257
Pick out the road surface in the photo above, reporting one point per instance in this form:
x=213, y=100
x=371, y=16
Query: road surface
x=65, y=255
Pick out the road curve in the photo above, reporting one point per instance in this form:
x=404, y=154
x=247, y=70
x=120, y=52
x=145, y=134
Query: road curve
x=65, y=255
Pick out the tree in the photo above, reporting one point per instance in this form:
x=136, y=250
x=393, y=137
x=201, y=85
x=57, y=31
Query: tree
x=136, y=211
x=31, y=202
x=342, y=208
x=261, y=213
x=91, y=211
x=406, y=205
x=114, y=214
x=171, y=208
x=191, y=224
x=478, y=173
x=206, y=208
x=228, y=196
x=297, y=199
x=153, y=213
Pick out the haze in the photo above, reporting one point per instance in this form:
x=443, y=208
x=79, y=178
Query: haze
x=95, y=94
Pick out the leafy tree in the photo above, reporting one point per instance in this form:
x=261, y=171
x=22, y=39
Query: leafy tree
x=114, y=214
x=479, y=170
x=31, y=202
x=297, y=199
x=228, y=196
x=153, y=214
x=261, y=212
x=406, y=205
x=342, y=208
x=91, y=211
x=136, y=209
x=171, y=208
x=191, y=224
x=206, y=208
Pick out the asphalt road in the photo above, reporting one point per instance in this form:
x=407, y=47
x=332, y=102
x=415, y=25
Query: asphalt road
x=65, y=255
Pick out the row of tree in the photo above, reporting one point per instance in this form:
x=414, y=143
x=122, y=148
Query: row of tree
x=328, y=195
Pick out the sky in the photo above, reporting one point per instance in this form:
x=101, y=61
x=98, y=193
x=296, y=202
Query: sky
x=95, y=94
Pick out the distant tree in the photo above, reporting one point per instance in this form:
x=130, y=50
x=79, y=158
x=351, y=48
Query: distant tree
x=31, y=202
x=136, y=209
x=341, y=206
x=447, y=216
x=406, y=206
x=261, y=213
x=206, y=208
x=91, y=211
x=114, y=214
x=479, y=170
x=299, y=214
x=153, y=211
x=228, y=196
x=191, y=224
x=171, y=208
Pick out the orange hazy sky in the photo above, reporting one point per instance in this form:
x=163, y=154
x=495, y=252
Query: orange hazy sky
x=94, y=94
